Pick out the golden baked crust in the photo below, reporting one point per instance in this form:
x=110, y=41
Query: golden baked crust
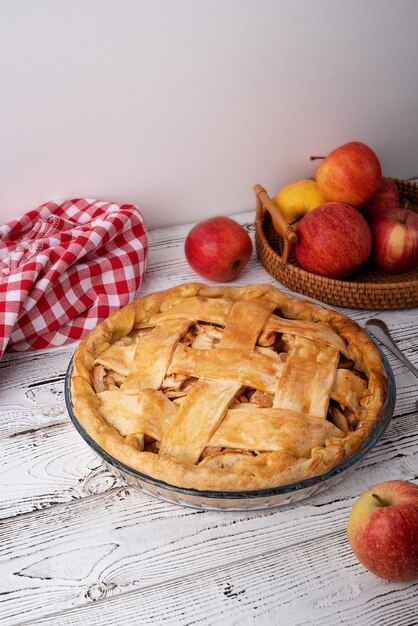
x=227, y=388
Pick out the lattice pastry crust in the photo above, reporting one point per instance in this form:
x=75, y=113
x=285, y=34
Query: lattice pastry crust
x=227, y=388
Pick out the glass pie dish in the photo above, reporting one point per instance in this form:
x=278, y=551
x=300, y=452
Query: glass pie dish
x=243, y=500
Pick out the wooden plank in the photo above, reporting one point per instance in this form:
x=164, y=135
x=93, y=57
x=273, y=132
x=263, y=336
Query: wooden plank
x=122, y=540
x=316, y=582
x=32, y=390
x=49, y=466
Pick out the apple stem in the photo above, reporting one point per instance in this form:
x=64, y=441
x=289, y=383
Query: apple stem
x=313, y=158
x=379, y=499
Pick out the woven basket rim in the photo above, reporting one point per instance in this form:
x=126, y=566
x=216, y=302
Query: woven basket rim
x=400, y=289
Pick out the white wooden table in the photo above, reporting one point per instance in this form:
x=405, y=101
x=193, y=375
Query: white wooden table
x=79, y=547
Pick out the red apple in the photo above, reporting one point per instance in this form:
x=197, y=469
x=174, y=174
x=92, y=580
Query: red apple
x=383, y=530
x=333, y=240
x=395, y=240
x=386, y=197
x=350, y=174
x=218, y=248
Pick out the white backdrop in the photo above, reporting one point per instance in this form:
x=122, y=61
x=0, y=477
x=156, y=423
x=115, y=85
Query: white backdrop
x=181, y=106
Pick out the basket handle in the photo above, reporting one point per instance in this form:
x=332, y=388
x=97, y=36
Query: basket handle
x=280, y=225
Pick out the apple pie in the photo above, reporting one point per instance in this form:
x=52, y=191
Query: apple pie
x=227, y=388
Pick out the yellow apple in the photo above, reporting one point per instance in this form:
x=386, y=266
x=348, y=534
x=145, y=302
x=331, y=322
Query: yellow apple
x=298, y=198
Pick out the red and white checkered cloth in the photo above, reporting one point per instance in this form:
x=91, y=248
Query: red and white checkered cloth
x=66, y=266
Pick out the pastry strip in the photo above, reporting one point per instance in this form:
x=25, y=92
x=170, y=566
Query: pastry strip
x=197, y=418
x=117, y=358
x=198, y=308
x=147, y=412
x=317, y=331
x=273, y=429
x=245, y=323
x=307, y=379
x=153, y=354
x=252, y=369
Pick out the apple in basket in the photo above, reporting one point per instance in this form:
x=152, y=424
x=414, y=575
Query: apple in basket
x=333, y=240
x=297, y=199
x=386, y=197
x=383, y=530
x=218, y=248
x=350, y=174
x=395, y=240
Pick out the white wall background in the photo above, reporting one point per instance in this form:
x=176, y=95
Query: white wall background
x=181, y=106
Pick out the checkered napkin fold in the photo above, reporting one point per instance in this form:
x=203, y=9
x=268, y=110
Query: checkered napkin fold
x=64, y=267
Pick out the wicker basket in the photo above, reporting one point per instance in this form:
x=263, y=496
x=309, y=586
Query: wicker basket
x=368, y=288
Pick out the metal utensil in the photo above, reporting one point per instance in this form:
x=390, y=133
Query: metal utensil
x=378, y=329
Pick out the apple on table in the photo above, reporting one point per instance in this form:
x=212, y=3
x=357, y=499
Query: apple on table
x=383, y=530
x=218, y=248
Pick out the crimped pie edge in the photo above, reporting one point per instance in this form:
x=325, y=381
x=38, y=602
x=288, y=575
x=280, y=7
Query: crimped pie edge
x=264, y=471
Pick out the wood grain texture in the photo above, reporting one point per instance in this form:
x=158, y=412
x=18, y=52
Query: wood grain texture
x=77, y=546
x=32, y=391
x=122, y=540
x=48, y=466
x=317, y=582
